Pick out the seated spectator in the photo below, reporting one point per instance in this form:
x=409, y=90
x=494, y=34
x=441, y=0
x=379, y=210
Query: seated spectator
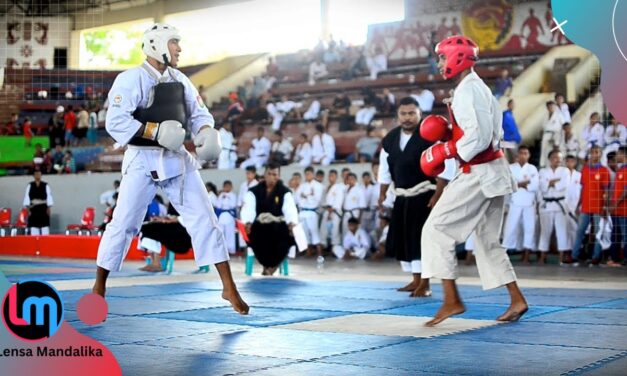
x=615, y=132
x=594, y=132
x=331, y=56
x=384, y=225
x=248, y=94
x=365, y=114
x=357, y=63
x=282, y=148
x=303, y=156
x=46, y=166
x=323, y=147
x=272, y=69
x=377, y=63
x=107, y=197
x=503, y=85
x=356, y=242
x=57, y=157
x=340, y=108
x=563, y=107
x=38, y=156
x=10, y=127
x=388, y=102
x=68, y=165
x=313, y=109
x=317, y=70
x=235, y=108
x=259, y=151
x=279, y=110
x=366, y=147
x=425, y=100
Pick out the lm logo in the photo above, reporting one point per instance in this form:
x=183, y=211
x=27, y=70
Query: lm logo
x=32, y=310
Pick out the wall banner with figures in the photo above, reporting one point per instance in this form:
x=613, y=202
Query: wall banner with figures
x=29, y=42
x=495, y=25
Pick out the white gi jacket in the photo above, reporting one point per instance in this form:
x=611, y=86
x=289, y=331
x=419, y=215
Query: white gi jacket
x=525, y=196
x=474, y=104
x=260, y=148
x=573, y=190
x=243, y=188
x=323, y=147
x=594, y=134
x=357, y=240
x=335, y=197
x=309, y=195
x=131, y=90
x=226, y=201
x=557, y=191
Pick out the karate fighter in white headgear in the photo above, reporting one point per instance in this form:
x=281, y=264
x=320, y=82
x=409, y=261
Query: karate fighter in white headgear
x=150, y=106
x=474, y=199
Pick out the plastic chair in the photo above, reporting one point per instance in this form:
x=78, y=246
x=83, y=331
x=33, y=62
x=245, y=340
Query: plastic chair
x=22, y=223
x=87, y=223
x=250, y=262
x=5, y=220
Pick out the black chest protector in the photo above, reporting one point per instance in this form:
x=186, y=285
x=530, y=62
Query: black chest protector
x=167, y=102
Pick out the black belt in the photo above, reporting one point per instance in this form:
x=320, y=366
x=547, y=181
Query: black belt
x=559, y=200
x=140, y=141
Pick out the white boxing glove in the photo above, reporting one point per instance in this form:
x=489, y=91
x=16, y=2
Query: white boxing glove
x=169, y=134
x=208, y=144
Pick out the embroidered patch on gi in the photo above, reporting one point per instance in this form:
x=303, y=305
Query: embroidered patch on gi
x=117, y=99
x=201, y=103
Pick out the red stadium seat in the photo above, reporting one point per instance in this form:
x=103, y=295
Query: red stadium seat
x=87, y=223
x=5, y=220
x=21, y=224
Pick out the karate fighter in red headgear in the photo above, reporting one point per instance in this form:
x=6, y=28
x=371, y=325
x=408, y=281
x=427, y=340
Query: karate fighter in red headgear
x=474, y=199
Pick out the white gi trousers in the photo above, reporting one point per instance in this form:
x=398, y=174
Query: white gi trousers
x=330, y=228
x=520, y=218
x=227, y=224
x=310, y=221
x=550, y=220
x=137, y=190
x=462, y=208
x=340, y=252
x=226, y=160
x=39, y=230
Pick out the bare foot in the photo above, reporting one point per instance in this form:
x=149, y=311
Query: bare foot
x=145, y=267
x=514, y=312
x=421, y=292
x=446, y=311
x=153, y=268
x=409, y=287
x=239, y=305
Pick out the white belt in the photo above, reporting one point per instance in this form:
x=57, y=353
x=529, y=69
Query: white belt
x=269, y=218
x=416, y=190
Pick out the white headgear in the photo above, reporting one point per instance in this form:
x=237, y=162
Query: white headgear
x=155, y=42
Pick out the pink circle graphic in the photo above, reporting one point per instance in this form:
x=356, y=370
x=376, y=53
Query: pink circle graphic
x=92, y=309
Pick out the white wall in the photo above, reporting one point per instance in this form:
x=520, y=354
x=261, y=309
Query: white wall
x=73, y=193
x=33, y=39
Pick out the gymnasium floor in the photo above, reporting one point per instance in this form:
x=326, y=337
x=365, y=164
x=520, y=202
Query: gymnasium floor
x=347, y=320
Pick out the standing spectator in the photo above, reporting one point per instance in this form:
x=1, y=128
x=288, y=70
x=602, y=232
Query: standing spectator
x=365, y=115
x=510, y=130
x=618, y=208
x=594, y=133
x=11, y=127
x=377, y=63
x=38, y=157
x=522, y=207
x=46, y=166
x=503, y=85
x=92, y=132
x=228, y=155
x=70, y=123
x=235, y=108
x=331, y=56
x=366, y=147
x=323, y=147
x=55, y=128
x=595, y=181
x=570, y=144
x=432, y=57
x=303, y=154
x=553, y=208
x=308, y=197
x=552, y=132
x=317, y=70
x=354, y=200
x=259, y=151
x=107, y=198
x=226, y=211
x=281, y=151
x=38, y=200
x=573, y=194
x=563, y=107
x=27, y=131
x=82, y=125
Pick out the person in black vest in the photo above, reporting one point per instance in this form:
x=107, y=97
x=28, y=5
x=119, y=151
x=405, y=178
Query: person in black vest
x=38, y=200
x=269, y=213
x=414, y=191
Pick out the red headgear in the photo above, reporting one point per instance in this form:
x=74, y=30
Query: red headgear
x=461, y=53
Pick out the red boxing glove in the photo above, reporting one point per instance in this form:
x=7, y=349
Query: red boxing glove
x=432, y=159
x=435, y=128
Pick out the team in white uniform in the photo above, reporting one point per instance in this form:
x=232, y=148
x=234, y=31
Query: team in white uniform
x=308, y=197
x=226, y=209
